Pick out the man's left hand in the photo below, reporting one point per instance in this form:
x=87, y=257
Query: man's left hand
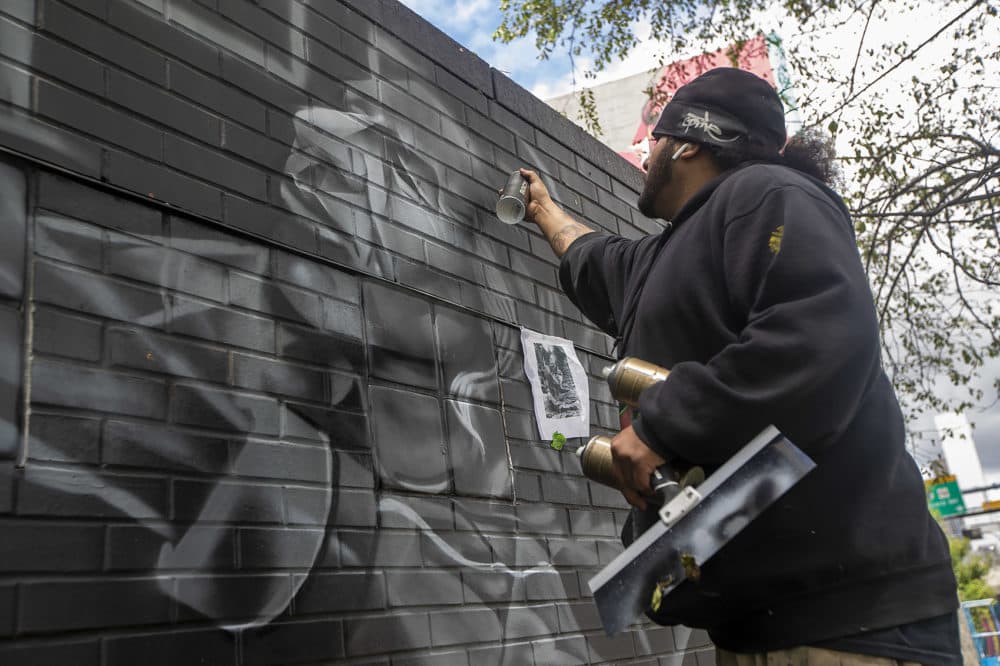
x=634, y=463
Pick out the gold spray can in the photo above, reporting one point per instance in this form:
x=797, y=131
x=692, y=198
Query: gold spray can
x=627, y=379
x=596, y=462
x=598, y=465
x=631, y=376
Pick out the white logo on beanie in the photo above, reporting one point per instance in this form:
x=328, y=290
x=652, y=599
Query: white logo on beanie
x=706, y=125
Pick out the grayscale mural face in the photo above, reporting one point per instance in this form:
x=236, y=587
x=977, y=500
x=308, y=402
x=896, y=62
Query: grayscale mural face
x=261, y=393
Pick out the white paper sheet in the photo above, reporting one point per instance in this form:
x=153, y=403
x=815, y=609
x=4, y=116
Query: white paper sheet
x=559, y=387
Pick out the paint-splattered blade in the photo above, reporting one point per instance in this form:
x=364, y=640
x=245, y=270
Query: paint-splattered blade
x=663, y=557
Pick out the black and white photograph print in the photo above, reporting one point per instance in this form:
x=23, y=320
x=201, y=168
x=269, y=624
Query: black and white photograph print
x=559, y=389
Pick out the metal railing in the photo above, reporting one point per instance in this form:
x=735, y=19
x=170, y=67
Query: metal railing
x=984, y=625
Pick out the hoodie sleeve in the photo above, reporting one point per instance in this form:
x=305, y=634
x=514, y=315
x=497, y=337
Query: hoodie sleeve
x=593, y=273
x=807, y=351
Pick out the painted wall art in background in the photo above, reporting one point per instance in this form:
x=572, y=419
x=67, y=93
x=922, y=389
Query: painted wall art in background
x=262, y=367
x=559, y=386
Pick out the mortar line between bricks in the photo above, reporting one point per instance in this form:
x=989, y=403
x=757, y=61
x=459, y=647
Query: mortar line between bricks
x=241, y=233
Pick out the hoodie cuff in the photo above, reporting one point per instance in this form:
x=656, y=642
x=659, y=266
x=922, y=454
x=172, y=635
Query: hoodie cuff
x=650, y=440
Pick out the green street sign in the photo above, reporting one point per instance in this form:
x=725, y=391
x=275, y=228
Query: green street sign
x=944, y=499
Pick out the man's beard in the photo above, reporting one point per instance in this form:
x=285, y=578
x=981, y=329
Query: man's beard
x=658, y=177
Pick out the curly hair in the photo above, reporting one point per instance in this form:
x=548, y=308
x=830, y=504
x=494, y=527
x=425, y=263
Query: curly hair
x=811, y=151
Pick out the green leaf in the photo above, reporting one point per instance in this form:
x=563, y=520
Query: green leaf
x=558, y=440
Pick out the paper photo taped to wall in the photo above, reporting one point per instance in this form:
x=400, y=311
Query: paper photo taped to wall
x=559, y=397
x=559, y=388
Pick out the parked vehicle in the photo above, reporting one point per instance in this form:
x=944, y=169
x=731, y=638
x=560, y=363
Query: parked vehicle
x=988, y=543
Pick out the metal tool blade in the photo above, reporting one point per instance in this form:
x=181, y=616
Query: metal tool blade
x=739, y=491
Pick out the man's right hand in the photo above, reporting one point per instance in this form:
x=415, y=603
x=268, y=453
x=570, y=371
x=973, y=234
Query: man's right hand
x=634, y=463
x=539, y=201
x=559, y=228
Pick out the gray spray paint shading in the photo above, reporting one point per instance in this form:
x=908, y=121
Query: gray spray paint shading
x=326, y=169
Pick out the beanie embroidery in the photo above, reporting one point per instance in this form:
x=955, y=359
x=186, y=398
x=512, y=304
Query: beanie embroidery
x=706, y=125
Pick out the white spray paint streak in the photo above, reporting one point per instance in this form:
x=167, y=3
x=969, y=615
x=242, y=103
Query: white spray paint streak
x=276, y=592
x=391, y=504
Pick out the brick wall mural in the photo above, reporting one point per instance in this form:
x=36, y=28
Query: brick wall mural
x=262, y=397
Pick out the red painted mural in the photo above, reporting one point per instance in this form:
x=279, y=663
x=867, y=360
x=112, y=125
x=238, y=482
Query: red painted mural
x=751, y=55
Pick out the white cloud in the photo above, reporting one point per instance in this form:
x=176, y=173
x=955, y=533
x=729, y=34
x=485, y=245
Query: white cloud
x=429, y=10
x=646, y=56
x=549, y=88
x=471, y=10
x=464, y=21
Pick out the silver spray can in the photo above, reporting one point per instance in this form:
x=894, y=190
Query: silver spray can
x=513, y=199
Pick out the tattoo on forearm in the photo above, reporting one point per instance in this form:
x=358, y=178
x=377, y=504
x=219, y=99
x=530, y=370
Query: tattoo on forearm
x=561, y=239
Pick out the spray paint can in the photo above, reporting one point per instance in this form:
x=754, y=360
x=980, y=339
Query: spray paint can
x=631, y=376
x=513, y=199
x=628, y=378
x=598, y=465
x=667, y=481
x=595, y=460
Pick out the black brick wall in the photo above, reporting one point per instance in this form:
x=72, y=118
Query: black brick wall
x=261, y=388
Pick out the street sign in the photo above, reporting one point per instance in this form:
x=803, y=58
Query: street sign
x=944, y=499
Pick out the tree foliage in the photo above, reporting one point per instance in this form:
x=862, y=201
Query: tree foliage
x=916, y=119
x=971, y=570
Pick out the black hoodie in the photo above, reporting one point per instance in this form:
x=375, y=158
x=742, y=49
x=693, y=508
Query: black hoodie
x=757, y=302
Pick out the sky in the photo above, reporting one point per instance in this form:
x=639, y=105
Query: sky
x=472, y=23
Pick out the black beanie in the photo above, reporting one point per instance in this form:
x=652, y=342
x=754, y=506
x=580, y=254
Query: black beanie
x=725, y=106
